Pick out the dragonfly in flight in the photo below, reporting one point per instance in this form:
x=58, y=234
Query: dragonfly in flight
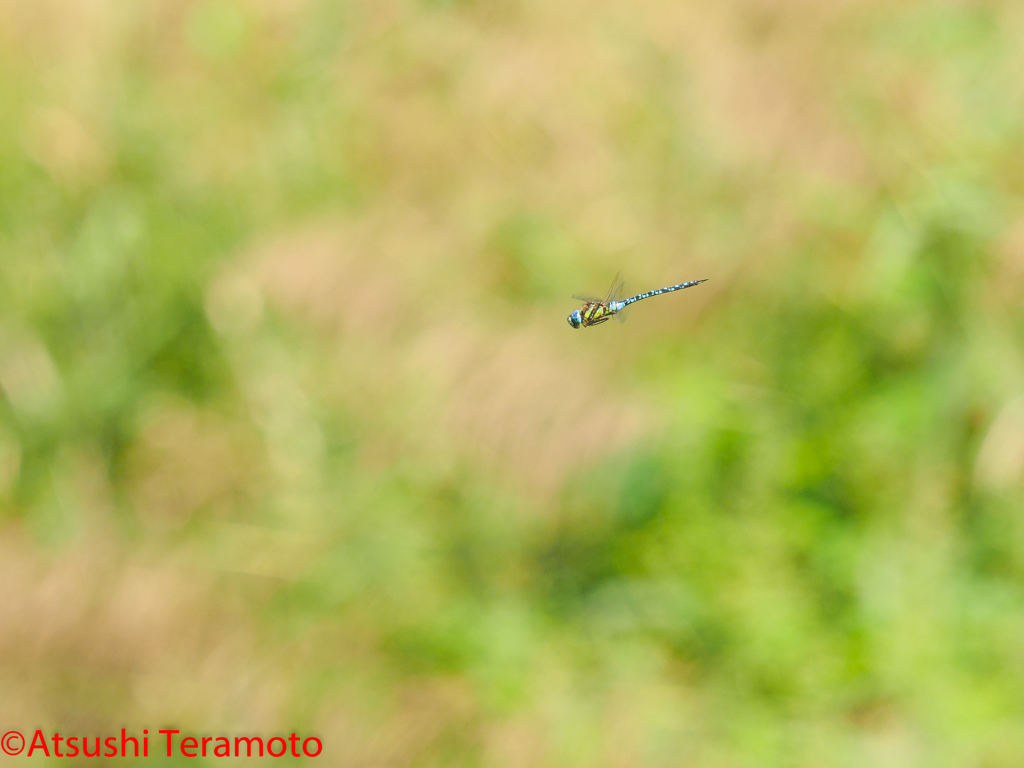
x=596, y=311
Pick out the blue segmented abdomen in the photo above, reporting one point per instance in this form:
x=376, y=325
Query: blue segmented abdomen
x=659, y=291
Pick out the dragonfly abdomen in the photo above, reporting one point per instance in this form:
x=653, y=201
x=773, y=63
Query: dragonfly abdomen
x=659, y=291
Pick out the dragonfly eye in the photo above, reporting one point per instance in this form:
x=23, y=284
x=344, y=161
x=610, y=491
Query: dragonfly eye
x=575, y=319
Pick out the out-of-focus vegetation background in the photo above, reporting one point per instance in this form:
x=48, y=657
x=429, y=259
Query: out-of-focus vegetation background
x=294, y=434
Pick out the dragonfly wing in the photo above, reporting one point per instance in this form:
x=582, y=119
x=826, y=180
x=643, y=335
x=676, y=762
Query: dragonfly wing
x=585, y=299
x=615, y=292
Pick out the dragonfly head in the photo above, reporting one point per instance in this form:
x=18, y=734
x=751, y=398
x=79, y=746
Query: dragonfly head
x=575, y=319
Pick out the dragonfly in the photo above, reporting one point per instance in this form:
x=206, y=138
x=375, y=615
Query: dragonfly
x=596, y=311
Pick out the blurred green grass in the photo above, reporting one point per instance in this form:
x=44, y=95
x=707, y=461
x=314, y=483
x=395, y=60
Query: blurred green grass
x=294, y=436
